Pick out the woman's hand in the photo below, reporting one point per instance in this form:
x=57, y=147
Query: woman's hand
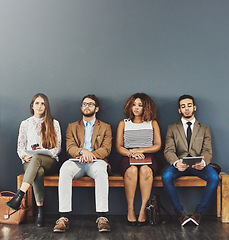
x=137, y=154
x=27, y=158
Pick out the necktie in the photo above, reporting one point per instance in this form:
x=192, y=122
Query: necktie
x=189, y=132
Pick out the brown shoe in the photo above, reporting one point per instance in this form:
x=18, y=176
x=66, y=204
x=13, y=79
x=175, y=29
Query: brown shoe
x=183, y=218
x=103, y=225
x=62, y=224
x=196, y=217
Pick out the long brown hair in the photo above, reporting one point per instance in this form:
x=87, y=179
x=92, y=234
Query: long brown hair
x=149, y=107
x=48, y=133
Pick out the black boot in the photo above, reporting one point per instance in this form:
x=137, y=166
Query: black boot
x=15, y=202
x=40, y=216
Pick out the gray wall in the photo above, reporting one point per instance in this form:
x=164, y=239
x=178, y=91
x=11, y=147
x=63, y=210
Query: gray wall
x=112, y=48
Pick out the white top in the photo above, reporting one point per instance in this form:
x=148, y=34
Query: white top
x=29, y=134
x=137, y=135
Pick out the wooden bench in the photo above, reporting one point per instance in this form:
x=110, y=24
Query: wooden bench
x=117, y=181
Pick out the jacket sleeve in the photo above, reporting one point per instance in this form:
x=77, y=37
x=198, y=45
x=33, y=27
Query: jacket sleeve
x=170, y=147
x=72, y=144
x=105, y=148
x=206, y=150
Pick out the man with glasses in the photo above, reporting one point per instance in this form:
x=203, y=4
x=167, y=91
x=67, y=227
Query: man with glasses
x=88, y=142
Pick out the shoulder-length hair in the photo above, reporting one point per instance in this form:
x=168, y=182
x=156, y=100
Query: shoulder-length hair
x=48, y=133
x=149, y=107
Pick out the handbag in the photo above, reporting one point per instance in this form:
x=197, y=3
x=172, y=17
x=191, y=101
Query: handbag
x=8, y=215
x=153, y=210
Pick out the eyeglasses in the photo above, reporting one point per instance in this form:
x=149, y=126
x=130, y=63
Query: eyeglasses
x=89, y=104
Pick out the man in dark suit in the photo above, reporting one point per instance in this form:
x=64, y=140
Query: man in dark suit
x=186, y=138
x=88, y=142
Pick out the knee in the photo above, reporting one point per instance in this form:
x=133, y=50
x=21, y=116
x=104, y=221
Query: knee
x=166, y=176
x=146, y=172
x=66, y=169
x=101, y=169
x=35, y=158
x=40, y=172
x=131, y=172
x=214, y=178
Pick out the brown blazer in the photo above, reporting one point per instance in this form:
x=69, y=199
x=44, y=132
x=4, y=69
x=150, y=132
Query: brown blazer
x=176, y=145
x=101, y=139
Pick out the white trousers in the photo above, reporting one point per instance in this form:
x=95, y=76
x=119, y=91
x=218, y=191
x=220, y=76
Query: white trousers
x=72, y=170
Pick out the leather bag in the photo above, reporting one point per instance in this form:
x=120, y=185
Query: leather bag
x=153, y=210
x=8, y=215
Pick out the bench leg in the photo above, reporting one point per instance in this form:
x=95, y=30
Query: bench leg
x=219, y=200
x=225, y=199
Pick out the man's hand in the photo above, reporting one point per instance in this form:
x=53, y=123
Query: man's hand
x=87, y=156
x=181, y=166
x=199, y=166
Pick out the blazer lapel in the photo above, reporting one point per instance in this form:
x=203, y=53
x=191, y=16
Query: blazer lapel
x=95, y=132
x=182, y=133
x=195, y=131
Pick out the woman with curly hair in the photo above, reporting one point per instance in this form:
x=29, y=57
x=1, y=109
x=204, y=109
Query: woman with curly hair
x=138, y=137
x=38, y=132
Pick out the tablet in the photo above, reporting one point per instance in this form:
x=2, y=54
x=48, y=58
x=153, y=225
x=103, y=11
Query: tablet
x=192, y=160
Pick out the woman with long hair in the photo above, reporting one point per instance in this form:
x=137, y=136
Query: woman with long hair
x=39, y=132
x=138, y=137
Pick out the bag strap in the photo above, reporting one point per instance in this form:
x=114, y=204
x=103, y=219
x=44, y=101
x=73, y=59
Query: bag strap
x=12, y=213
x=22, y=205
x=3, y=192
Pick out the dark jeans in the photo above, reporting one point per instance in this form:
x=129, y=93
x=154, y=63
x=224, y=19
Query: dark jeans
x=208, y=174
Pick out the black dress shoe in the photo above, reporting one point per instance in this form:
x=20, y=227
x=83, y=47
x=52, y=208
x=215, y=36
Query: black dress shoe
x=142, y=223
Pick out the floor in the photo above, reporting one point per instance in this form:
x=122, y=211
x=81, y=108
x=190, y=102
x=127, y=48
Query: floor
x=84, y=227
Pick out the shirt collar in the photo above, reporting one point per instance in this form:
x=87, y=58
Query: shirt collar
x=185, y=121
x=91, y=123
x=38, y=119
